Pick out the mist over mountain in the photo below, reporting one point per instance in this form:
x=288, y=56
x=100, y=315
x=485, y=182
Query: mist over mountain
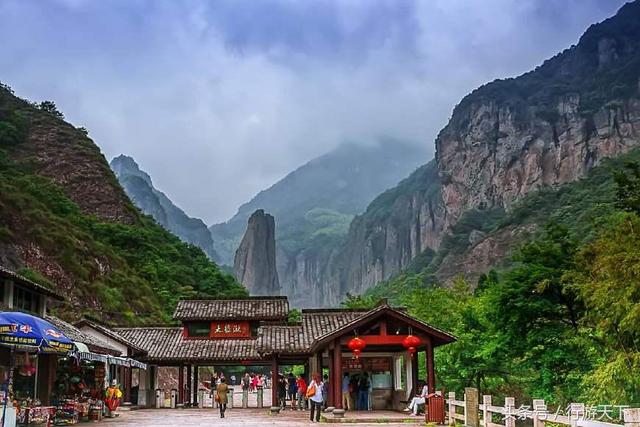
x=321, y=197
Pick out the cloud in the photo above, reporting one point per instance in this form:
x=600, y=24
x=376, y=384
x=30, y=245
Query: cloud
x=219, y=99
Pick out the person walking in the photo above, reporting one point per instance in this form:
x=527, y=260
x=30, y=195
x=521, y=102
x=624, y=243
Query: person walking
x=346, y=392
x=221, y=396
x=314, y=394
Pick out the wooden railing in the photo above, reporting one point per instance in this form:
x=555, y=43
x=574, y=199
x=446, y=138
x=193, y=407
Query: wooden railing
x=473, y=413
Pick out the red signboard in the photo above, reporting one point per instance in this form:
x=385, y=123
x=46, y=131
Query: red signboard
x=230, y=330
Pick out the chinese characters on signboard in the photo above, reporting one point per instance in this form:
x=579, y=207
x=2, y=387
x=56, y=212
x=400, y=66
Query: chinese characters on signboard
x=230, y=330
x=368, y=364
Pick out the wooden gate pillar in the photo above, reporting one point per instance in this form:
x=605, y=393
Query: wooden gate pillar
x=188, y=391
x=181, y=384
x=274, y=381
x=337, y=372
x=431, y=368
x=195, y=385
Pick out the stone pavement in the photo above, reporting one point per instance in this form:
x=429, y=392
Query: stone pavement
x=202, y=417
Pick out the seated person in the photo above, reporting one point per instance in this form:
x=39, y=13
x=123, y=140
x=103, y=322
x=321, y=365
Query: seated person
x=418, y=400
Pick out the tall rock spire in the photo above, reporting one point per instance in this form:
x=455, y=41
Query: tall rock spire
x=255, y=260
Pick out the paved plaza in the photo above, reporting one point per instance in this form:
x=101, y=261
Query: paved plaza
x=234, y=417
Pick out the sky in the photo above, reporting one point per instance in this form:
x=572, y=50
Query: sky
x=219, y=99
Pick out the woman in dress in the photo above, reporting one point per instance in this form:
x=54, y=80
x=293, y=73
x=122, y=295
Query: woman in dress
x=222, y=389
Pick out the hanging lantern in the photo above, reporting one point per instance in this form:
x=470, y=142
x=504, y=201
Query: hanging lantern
x=356, y=345
x=410, y=343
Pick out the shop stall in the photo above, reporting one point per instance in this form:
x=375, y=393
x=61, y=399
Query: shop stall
x=79, y=388
x=29, y=345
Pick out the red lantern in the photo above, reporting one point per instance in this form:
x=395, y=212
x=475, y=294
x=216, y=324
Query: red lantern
x=356, y=345
x=410, y=343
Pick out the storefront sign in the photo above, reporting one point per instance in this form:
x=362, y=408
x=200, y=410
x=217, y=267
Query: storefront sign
x=230, y=330
x=367, y=364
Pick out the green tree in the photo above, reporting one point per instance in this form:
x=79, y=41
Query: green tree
x=50, y=107
x=535, y=315
x=609, y=283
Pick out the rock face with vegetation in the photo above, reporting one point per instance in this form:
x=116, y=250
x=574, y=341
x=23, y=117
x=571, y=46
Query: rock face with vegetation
x=148, y=199
x=313, y=207
x=504, y=140
x=67, y=222
x=255, y=261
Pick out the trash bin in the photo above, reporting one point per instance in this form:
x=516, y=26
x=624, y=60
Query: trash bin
x=159, y=398
x=230, y=398
x=201, y=398
x=435, y=412
x=260, y=397
x=174, y=398
x=245, y=397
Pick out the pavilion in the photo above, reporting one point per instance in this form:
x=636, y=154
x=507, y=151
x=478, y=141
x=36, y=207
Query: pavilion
x=256, y=331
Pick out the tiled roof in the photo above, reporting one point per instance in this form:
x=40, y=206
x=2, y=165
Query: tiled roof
x=252, y=308
x=111, y=334
x=75, y=334
x=318, y=323
x=299, y=339
x=27, y=283
x=168, y=345
x=282, y=339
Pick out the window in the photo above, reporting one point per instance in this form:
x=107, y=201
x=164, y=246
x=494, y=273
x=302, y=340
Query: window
x=25, y=300
x=198, y=329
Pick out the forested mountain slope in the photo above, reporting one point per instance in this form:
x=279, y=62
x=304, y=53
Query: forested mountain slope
x=151, y=201
x=66, y=221
x=504, y=140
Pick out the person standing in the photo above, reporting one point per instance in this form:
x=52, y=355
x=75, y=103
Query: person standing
x=325, y=391
x=282, y=391
x=314, y=394
x=292, y=390
x=346, y=392
x=246, y=383
x=221, y=396
x=363, y=393
x=301, y=386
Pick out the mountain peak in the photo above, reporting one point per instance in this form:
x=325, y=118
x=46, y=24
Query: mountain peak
x=124, y=165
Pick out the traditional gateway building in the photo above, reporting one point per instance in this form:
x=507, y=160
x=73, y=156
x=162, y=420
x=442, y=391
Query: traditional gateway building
x=258, y=331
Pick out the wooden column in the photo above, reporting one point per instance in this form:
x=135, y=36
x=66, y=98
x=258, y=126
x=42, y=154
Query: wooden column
x=337, y=367
x=431, y=368
x=189, y=392
x=181, y=384
x=415, y=360
x=274, y=381
x=332, y=381
x=195, y=385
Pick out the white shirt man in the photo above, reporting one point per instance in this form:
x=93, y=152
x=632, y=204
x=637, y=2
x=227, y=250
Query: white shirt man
x=418, y=400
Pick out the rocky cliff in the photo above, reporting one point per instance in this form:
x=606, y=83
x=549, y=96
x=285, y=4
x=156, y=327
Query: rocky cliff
x=313, y=207
x=255, y=260
x=151, y=201
x=504, y=140
x=66, y=222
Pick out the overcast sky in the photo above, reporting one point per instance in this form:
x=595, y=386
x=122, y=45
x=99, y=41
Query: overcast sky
x=219, y=99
